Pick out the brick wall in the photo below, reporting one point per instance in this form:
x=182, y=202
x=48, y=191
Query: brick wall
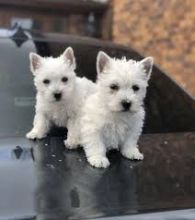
x=164, y=29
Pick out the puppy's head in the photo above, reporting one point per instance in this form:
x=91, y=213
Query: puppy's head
x=122, y=83
x=54, y=77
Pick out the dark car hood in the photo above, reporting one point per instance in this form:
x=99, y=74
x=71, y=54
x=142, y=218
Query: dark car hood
x=43, y=180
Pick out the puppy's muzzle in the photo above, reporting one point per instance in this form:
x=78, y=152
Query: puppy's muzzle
x=126, y=105
x=57, y=96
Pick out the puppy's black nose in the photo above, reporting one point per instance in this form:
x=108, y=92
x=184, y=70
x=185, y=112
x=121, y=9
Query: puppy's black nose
x=57, y=96
x=126, y=105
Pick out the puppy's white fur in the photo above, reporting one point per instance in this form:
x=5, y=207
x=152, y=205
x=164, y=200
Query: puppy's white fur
x=105, y=124
x=57, y=75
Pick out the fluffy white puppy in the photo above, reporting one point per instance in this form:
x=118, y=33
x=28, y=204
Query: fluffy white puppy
x=113, y=117
x=60, y=95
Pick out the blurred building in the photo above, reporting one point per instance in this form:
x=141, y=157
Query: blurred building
x=78, y=17
x=164, y=29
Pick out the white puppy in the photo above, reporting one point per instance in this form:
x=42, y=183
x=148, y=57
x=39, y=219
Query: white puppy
x=113, y=117
x=60, y=95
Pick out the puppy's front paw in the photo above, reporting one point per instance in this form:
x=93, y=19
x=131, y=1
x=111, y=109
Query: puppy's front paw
x=70, y=144
x=99, y=161
x=34, y=134
x=132, y=153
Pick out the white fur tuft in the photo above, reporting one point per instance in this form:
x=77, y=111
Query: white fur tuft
x=147, y=65
x=102, y=62
x=68, y=56
x=35, y=62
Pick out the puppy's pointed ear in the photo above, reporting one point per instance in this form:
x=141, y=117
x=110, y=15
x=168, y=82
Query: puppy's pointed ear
x=35, y=62
x=147, y=65
x=103, y=61
x=68, y=55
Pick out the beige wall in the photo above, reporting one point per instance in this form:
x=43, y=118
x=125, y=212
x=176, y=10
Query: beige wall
x=164, y=29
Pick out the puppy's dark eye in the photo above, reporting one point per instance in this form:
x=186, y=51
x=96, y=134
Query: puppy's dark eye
x=64, y=79
x=46, y=81
x=135, y=88
x=114, y=87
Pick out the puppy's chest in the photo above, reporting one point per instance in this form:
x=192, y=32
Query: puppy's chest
x=115, y=132
x=58, y=116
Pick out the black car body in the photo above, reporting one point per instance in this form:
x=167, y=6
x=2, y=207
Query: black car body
x=42, y=180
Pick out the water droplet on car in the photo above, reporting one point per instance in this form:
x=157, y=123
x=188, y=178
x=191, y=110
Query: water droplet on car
x=177, y=185
x=50, y=165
